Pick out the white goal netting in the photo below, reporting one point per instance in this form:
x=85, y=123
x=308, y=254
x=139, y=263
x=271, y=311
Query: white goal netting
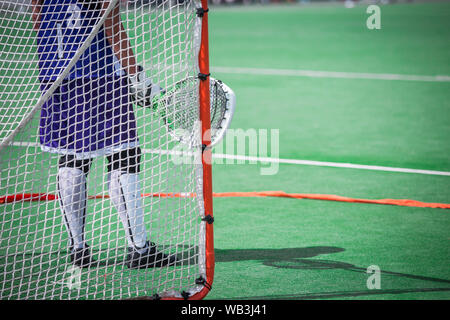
x=92, y=203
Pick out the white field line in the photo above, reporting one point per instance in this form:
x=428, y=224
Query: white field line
x=331, y=74
x=331, y=164
x=266, y=160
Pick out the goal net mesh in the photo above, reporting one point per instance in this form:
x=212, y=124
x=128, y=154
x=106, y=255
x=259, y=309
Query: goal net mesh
x=64, y=93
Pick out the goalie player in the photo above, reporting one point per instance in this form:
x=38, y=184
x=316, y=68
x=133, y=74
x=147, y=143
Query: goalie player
x=91, y=115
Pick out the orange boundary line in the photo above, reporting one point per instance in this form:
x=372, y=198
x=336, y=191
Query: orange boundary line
x=328, y=197
x=278, y=194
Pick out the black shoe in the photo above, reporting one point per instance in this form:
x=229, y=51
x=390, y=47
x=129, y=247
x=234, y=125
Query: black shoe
x=82, y=258
x=151, y=258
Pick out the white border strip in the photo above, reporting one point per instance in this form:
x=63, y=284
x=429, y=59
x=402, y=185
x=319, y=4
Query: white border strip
x=331, y=74
x=278, y=160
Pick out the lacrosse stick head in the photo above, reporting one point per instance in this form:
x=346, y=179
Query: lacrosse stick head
x=180, y=111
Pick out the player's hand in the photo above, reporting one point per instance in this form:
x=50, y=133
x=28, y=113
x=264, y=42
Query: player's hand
x=142, y=90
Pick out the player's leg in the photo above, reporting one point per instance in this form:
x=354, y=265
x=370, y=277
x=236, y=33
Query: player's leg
x=72, y=198
x=126, y=195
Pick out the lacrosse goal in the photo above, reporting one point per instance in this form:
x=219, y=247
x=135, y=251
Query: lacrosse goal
x=50, y=52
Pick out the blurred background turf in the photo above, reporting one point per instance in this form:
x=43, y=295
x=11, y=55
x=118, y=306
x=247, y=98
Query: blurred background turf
x=300, y=249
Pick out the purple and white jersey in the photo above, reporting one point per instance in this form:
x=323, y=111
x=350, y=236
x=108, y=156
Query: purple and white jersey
x=64, y=26
x=90, y=113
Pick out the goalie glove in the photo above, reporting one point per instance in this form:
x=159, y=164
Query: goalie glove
x=142, y=90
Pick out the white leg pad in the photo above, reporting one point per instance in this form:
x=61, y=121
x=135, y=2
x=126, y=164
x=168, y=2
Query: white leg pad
x=125, y=194
x=72, y=199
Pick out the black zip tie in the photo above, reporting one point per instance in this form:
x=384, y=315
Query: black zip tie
x=185, y=295
x=203, y=76
x=209, y=219
x=156, y=297
x=203, y=282
x=201, y=12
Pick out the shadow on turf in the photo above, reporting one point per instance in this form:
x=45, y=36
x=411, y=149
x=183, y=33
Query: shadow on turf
x=298, y=258
x=52, y=259
x=272, y=254
x=341, y=294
